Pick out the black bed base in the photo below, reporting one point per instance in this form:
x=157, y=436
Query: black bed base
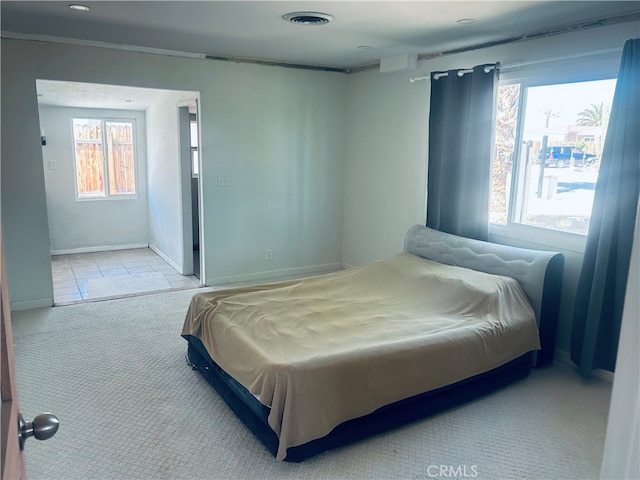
x=254, y=414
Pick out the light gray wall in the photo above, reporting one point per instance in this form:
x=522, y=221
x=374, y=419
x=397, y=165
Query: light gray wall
x=386, y=169
x=25, y=228
x=85, y=225
x=620, y=458
x=278, y=134
x=386, y=166
x=281, y=142
x=164, y=166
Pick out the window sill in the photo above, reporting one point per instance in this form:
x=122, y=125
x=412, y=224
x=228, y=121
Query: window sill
x=536, y=237
x=109, y=198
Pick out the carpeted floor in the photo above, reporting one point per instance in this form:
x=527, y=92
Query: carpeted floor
x=130, y=408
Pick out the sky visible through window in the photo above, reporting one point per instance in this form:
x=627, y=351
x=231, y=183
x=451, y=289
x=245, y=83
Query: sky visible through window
x=565, y=100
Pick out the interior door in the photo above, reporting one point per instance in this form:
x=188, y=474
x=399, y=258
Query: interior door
x=12, y=457
x=13, y=429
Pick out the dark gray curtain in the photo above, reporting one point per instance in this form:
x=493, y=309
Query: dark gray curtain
x=603, y=279
x=461, y=123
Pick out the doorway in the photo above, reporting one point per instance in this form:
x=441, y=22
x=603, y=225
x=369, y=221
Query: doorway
x=136, y=236
x=190, y=171
x=194, y=158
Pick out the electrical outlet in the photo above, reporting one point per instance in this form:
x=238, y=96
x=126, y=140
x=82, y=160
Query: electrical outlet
x=223, y=181
x=268, y=254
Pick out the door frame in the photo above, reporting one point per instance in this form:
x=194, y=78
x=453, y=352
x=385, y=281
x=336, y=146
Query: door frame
x=12, y=458
x=185, y=184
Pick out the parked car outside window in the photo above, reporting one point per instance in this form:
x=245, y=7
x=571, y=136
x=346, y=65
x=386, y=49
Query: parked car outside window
x=564, y=155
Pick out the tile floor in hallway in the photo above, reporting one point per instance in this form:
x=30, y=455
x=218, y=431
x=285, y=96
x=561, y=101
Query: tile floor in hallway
x=90, y=276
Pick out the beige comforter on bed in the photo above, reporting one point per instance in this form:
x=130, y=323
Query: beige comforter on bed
x=327, y=349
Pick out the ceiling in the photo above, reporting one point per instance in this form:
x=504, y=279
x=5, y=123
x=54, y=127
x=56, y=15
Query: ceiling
x=361, y=33
x=116, y=97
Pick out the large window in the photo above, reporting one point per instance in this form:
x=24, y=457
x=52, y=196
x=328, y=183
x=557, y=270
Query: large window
x=105, y=161
x=548, y=144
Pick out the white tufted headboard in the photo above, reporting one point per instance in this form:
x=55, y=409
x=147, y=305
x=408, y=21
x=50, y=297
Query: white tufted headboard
x=538, y=272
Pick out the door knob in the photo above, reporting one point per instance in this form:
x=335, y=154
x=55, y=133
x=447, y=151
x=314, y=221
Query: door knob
x=43, y=427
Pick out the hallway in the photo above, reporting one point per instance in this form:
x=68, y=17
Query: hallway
x=90, y=276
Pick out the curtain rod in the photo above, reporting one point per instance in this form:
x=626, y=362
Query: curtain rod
x=464, y=71
x=523, y=64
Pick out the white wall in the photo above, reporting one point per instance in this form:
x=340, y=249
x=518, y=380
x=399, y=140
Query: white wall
x=279, y=135
x=164, y=176
x=621, y=456
x=89, y=225
x=386, y=169
x=280, y=139
x=385, y=179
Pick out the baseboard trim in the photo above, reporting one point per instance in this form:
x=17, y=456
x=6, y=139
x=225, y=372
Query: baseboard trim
x=274, y=274
x=346, y=266
x=564, y=358
x=31, y=304
x=161, y=254
x=101, y=248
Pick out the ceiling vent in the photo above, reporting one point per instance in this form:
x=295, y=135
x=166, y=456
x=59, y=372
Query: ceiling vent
x=308, y=18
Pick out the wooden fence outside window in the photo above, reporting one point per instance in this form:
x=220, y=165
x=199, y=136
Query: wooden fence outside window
x=90, y=150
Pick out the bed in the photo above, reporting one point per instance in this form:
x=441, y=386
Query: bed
x=315, y=363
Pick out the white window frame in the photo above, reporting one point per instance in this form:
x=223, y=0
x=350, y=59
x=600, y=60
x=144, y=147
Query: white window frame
x=579, y=69
x=107, y=195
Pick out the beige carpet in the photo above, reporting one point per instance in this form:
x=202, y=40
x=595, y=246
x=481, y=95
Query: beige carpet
x=120, y=285
x=114, y=373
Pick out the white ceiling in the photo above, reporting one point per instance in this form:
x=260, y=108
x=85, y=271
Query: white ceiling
x=94, y=95
x=256, y=30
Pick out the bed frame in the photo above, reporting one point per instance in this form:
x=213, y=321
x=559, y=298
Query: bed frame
x=540, y=275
